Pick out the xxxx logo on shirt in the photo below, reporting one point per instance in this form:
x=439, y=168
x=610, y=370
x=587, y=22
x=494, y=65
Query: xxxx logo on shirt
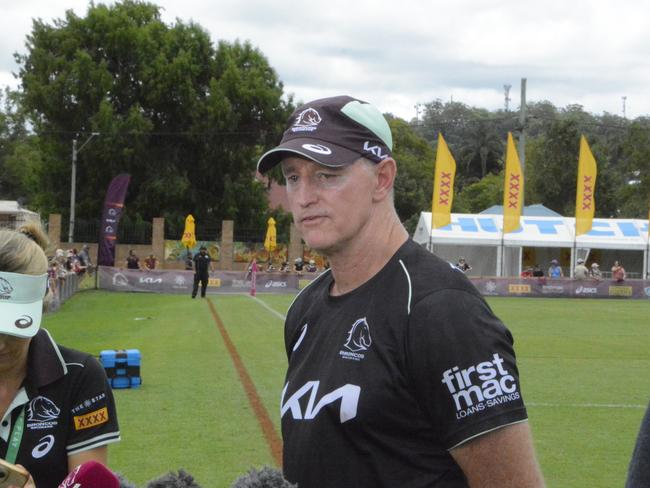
x=91, y=419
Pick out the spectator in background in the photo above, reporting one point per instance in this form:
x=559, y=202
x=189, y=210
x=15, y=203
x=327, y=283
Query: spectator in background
x=298, y=265
x=202, y=268
x=84, y=256
x=311, y=266
x=580, y=272
x=189, y=262
x=269, y=267
x=595, y=272
x=150, y=262
x=555, y=271
x=527, y=272
x=618, y=272
x=538, y=272
x=132, y=261
x=284, y=267
x=53, y=282
x=463, y=265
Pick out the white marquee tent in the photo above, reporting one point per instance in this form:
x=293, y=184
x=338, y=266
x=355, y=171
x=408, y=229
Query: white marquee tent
x=479, y=238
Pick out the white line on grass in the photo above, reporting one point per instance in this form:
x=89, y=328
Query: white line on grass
x=274, y=312
x=585, y=405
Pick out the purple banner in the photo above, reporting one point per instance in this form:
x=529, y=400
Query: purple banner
x=180, y=281
x=567, y=288
x=113, y=207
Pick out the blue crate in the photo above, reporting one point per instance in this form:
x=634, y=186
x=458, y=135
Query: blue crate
x=122, y=367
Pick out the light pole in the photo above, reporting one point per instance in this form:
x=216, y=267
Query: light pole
x=73, y=186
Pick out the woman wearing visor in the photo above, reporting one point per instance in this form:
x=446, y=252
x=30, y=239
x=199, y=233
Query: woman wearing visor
x=56, y=406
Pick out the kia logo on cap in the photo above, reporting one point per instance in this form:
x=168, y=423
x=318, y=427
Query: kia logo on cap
x=23, y=322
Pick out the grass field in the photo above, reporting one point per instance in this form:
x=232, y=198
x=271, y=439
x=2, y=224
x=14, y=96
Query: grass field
x=584, y=367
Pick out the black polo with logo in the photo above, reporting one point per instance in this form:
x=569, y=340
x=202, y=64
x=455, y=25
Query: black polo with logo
x=202, y=263
x=68, y=408
x=385, y=380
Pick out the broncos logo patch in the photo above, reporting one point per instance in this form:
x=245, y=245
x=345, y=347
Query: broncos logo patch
x=42, y=409
x=359, y=336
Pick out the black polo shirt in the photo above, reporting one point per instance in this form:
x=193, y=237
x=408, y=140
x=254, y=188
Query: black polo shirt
x=68, y=408
x=202, y=263
x=385, y=380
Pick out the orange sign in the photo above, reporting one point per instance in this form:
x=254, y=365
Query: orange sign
x=91, y=419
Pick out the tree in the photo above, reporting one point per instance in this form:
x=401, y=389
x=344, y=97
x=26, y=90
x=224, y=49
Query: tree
x=478, y=196
x=634, y=198
x=414, y=183
x=482, y=143
x=184, y=117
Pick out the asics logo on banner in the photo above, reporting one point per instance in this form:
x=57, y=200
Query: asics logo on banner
x=318, y=149
x=375, y=150
x=307, y=120
x=23, y=322
x=586, y=290
x=479, y=387
x=359, y=336
x=347, y=394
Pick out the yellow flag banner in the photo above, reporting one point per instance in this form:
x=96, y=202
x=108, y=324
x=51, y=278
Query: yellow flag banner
x=271, y=236
x=189, y=234
x=443, y=186
x=585, y=202
x=513, y=189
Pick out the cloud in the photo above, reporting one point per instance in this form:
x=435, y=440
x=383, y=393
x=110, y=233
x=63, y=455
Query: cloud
x=397, y=55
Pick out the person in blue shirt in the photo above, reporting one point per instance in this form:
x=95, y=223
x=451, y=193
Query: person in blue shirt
x=555, y=271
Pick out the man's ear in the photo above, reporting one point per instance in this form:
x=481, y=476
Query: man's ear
x=386, y=174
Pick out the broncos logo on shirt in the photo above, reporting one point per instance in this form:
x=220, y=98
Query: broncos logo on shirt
x=42, y=409
x=359, y=336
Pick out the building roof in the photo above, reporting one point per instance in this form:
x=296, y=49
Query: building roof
x=12, y=207
x=537, y=210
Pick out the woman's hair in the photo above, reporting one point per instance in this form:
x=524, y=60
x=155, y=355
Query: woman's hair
x=23, y=250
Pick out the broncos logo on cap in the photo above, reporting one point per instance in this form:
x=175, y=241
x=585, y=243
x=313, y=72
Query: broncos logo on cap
x=5, y=287
x=307, y=118
x=42, y=409
x=359, y=336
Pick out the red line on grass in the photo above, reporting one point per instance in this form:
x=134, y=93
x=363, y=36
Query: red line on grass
x=271, y=436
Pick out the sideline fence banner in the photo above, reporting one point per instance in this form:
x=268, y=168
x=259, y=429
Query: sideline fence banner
x=568, y=288
x=180, y=281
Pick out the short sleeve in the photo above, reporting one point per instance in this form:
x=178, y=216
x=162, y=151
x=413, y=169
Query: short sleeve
x=93, y=419
x=461, y=359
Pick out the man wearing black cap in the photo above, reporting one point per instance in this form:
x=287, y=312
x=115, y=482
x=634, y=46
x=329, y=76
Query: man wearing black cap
x=202, y=267
x=399, y=373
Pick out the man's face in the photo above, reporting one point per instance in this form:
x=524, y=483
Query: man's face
x=13, y=351
x=329, y=205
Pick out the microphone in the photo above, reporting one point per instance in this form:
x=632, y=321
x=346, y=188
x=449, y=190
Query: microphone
x=173, y=480
x=264, y=478
x=91, y=474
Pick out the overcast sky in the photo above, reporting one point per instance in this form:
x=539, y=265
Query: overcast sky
x=401, y=53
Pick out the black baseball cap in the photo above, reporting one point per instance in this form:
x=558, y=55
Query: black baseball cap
x=334, y=131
